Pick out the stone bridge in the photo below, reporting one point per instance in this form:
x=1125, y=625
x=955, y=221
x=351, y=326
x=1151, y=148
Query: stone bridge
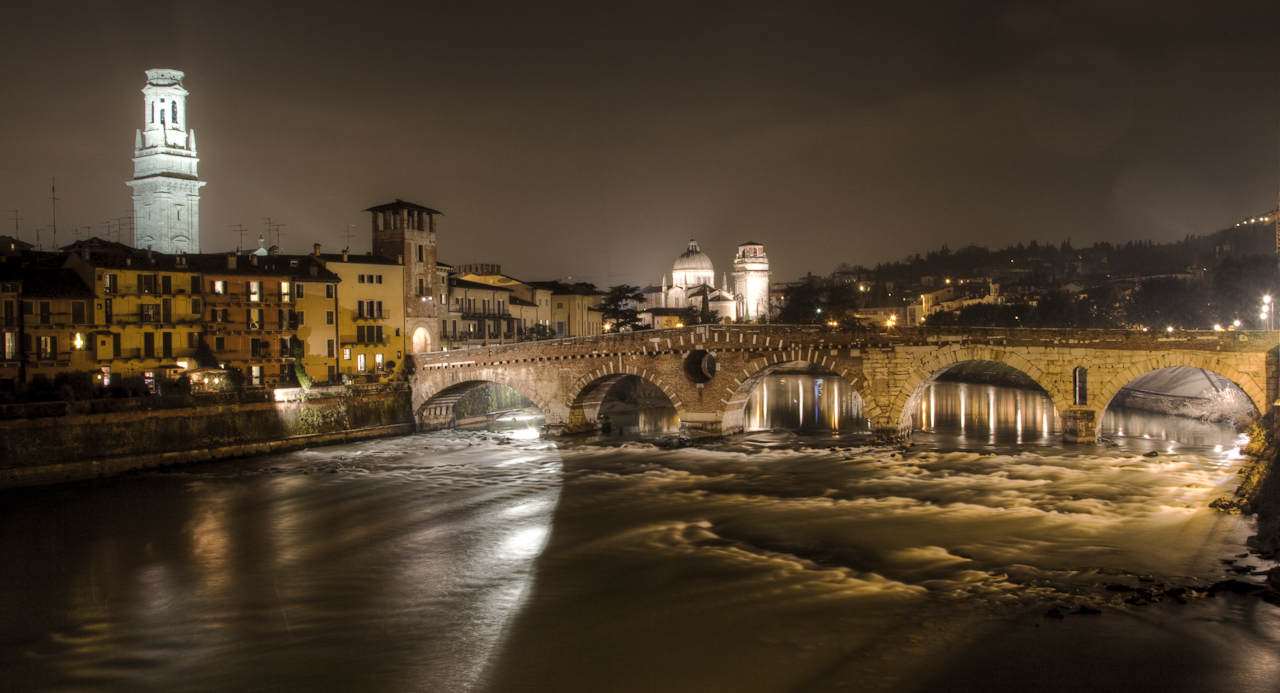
x=708, y=371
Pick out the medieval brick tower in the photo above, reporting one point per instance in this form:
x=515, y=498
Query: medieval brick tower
x=407, y=232
x=166, y=188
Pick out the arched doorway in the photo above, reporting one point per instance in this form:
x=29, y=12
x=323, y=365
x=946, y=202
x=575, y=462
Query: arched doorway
x=421, y=341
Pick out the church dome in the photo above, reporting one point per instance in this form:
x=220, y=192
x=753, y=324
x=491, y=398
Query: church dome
x=693, y=259
x=693, y=268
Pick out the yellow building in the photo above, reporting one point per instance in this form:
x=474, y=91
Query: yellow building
x=529, y=305
x=370, y=318
x=575, y=309
x=141, y=315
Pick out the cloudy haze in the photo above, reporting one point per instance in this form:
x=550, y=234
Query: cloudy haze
x=593, y=140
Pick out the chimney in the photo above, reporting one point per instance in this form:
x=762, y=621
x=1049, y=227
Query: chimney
x=344, y=254
x=316, y=250
x=399, y=259
x=86, y=253
x=149, y=258
x=231, y=261
x=128, y=262
x=253, y=259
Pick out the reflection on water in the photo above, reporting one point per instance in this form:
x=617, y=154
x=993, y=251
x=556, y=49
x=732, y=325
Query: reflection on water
x=804, y=403
x=630, y=421
x=987, y=413
x=1144, y=429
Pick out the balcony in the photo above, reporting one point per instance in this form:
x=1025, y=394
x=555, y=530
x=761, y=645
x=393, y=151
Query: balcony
x=481, y=314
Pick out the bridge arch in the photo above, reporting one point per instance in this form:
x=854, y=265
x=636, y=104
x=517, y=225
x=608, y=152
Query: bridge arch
x=438, y=398
x=1246, y=382
x=590, y=390
x=734, y=419
x=931, y=366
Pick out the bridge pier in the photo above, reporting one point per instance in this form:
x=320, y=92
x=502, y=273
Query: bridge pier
x=1079, y=426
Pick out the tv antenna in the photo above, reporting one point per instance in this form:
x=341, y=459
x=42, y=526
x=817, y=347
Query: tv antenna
x=239, y=228
x=349, y=235
x=53, y=197
x=14, y=212
x=271, y=226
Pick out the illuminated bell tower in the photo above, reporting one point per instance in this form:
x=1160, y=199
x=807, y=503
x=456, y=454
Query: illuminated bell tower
x=751, y=282
x=166, y=189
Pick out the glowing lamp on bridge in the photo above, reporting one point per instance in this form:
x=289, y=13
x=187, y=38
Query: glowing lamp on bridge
x=1169, y=328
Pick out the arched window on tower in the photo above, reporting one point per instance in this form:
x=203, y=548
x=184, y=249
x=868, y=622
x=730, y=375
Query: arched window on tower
x=162, y=111
x=153, y=112
x=175, y=112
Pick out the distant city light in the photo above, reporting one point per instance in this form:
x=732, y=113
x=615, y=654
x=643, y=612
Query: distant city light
x=1217, y=328
x=1169, y=328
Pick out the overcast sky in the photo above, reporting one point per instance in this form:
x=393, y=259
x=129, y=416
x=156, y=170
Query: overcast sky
x=594, y=139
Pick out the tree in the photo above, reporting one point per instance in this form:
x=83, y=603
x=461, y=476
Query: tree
x=297, y=349
x=540, y=332
x=619, y=306
x=1162, y=302
x=817, y=301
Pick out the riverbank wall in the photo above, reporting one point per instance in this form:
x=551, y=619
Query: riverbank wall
x=53, y=442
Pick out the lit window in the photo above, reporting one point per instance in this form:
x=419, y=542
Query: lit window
x=346, y=353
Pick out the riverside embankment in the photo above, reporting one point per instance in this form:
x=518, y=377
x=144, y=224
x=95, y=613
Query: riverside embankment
x=67, y=441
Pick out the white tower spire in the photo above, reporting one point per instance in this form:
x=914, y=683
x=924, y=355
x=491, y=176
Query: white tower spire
x=166, y=187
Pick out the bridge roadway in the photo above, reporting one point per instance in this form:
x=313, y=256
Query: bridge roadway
x=568, y=379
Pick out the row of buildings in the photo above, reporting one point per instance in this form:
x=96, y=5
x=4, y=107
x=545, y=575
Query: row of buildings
x=117, y=311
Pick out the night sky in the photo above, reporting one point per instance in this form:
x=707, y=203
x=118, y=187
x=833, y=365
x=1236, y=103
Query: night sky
x=592, y=140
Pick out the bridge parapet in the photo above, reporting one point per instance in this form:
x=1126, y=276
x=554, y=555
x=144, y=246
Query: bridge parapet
x=887, y=369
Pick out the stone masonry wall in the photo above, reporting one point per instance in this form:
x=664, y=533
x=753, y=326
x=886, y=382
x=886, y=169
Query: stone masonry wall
x=87, y=445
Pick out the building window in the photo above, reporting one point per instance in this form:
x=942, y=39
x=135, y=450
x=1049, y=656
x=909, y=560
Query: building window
x=422, y=283
x=330, y=348
x=218, y=287
x=77, y=313
x=109, y=283
x=48, y=348
x=377, y=361
x=193, y=340
x=166, y=284
x=360, y=333
x=147, y=283
x=79, y=341
x=419, y=255
x=360, y=364
x=379, y=278
x=149, y=345
x=166, y=344
x=150, y=312
x=175, y=112
x=328, y=317
x=195, y=284
x=284, y=347
x=559, y=305
x=254, y=290
x=328, y=292
x=301, y=318
x=285, y=294
x=254, y=318
x=346, y=353
x=219, y=343
x=297, y=289
x=196, y=306
x=360, y=279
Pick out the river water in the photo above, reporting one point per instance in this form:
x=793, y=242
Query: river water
x=771, y=561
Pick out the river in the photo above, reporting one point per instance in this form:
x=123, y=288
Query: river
x=769, y=561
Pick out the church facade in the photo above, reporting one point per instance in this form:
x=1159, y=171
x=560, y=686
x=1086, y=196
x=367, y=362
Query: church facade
x=166, y=185
x=693, y=287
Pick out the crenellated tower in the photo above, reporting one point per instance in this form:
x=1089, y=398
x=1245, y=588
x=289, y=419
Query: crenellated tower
x=406, y=232
x=166, y=186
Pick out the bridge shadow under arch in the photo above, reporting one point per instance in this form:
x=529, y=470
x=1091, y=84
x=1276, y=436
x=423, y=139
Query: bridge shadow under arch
x=1191, y=392
x=736, y=415
x=595, y=390
x=437, y=409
